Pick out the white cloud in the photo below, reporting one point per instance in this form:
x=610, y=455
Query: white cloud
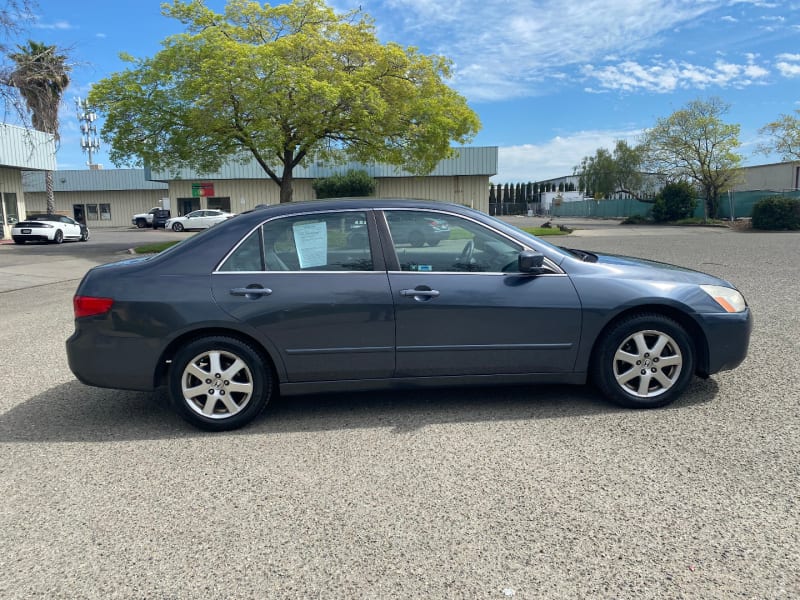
x=788, y=65
x=556, y=157
x=510, y=49
x=729, y=19
x=60, y=25
x=668, y=76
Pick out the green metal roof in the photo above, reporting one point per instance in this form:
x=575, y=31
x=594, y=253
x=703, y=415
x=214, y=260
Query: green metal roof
x=468, y=161
x=99, y=180
x=25, y=148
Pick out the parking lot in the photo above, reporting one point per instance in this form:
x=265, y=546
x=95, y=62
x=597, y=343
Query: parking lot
x=546, y=492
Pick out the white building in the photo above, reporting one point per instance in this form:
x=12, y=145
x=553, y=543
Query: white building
x=109, y=197
x=20, y=148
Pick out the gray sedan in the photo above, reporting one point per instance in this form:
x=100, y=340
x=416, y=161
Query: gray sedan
x=285, y=299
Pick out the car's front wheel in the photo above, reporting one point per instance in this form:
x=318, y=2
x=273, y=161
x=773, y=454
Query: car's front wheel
x=644, y=361
x=85, y=236
x=219, y=383
x=58, y=237
x=177, y=227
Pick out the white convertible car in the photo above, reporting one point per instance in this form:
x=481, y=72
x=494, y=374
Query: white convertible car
x=49, y=228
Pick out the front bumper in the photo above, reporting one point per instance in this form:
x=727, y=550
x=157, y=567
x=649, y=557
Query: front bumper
x=728, y=337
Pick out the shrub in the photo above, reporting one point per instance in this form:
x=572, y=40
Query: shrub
x=674, y=202
x=776, y=213
x=636, y=220
x=352, y=183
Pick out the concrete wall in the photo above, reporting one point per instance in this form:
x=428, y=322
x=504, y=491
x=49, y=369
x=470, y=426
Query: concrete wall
x=245, y=194
x=778, y=177
x=12, y=200
x=123, y=204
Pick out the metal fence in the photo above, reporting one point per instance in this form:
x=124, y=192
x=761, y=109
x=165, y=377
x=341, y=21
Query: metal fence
x=733, y=205
x=515, y=208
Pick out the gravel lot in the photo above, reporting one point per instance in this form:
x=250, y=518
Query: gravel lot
x=544, y=492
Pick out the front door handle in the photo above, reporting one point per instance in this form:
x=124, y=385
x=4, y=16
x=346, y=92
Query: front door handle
x=251, y=292
x=421, y=294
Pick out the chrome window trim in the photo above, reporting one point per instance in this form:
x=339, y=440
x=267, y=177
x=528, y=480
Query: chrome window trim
x=373, y=272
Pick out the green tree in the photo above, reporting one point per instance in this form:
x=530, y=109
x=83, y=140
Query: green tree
x=694, y=144
x=281, y=85
x=41, y=74
x=607, y=173
x=353, y=183
x=784, y=137
x=674, y=202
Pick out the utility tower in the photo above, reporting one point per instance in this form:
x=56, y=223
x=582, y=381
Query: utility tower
x=90, y=142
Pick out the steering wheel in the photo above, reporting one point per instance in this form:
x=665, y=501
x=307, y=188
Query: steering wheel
x=466, y=253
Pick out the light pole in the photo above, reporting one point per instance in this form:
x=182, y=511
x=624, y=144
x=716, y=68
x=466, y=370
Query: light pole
x=90, y=142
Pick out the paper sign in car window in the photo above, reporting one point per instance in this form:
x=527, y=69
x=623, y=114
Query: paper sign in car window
x=311, y=241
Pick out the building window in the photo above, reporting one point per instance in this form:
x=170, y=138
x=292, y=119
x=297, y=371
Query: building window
x=220, y=203
x=91, y=212
x=105, y=212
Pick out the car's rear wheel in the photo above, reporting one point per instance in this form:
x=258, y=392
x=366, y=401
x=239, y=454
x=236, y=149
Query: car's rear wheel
x=644, y=361
x=19, y=241
x=177, y=227
x=433, y=242
x=219, y=383
x=58, y=237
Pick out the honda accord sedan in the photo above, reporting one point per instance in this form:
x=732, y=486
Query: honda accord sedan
x=285, y=300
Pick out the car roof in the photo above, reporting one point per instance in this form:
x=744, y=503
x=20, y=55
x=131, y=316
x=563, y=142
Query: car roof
x=266, y=211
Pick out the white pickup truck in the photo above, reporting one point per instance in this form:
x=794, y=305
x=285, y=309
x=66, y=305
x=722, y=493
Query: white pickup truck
x=145, y=219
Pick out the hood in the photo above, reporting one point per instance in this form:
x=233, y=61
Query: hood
x=643, y=269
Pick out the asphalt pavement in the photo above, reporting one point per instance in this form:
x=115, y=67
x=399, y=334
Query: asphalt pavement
x=523, y=492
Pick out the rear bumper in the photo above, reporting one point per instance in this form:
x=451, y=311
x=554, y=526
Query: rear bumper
x=26, y=237
x=127, y=363
x=728, y=337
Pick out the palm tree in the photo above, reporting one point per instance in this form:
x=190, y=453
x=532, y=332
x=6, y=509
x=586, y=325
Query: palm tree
x=41, y=75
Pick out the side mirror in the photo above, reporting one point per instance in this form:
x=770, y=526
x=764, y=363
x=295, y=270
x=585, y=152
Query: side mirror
x=530, y=262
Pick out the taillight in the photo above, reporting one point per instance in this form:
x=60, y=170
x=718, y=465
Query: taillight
x=87, y=306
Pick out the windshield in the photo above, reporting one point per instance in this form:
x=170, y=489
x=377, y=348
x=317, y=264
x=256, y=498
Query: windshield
x=508, y=228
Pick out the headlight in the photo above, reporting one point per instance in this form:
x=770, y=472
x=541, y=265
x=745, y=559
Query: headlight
x=728, y=298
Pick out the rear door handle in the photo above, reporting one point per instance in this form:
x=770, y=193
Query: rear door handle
x=251, y=292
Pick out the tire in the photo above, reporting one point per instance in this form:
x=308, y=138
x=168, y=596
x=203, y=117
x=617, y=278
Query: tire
x=58, y=237
x=207, y=370
x=433, y=242
x=416, y=239
x=141, y=223
x=177, y=227
x=85, y=236
x=19, y=241
x=644, y=361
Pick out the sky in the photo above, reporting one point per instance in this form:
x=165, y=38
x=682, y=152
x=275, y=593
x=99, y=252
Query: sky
x=551, y=80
